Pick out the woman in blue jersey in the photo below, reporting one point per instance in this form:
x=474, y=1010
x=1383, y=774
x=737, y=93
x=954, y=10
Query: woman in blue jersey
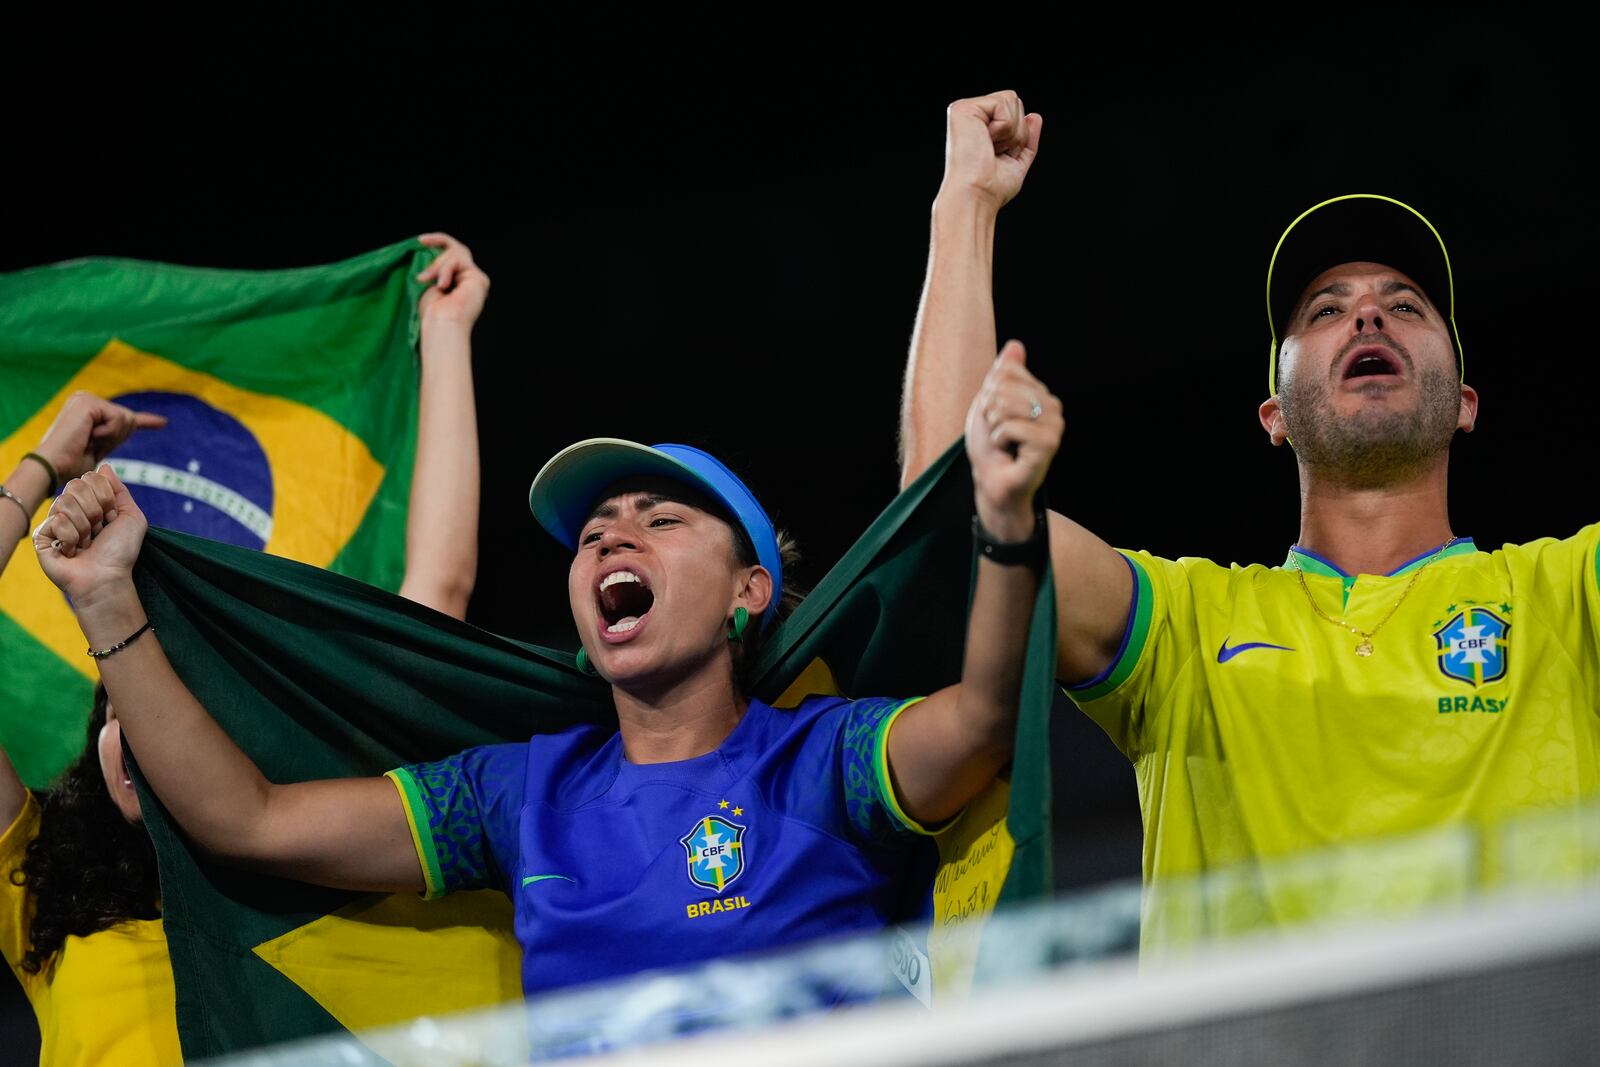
x=708, y=823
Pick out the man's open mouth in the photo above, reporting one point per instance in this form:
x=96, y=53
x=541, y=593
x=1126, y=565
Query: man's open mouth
x=624, y=599
x=1372, y=361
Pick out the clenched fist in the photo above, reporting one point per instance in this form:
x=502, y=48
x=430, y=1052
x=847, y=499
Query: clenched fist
x=1014, y=427
x=91, y=538
x=990, y=142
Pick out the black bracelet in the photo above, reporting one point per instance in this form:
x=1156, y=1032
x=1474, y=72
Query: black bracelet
x=102, y=653
x=1030, y=553
x=50, y=469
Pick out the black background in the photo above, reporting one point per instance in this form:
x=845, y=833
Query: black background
x=717, y=234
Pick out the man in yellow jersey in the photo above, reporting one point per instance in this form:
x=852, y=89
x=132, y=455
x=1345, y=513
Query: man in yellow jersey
x=1351, y=732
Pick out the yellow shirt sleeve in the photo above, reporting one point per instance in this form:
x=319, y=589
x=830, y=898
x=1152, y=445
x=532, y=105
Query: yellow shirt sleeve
x=1564, y=579
x=1119, y=699
x=16, y=902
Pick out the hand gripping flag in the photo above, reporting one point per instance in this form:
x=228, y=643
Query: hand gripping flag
x=291, y=397
x=318, y=676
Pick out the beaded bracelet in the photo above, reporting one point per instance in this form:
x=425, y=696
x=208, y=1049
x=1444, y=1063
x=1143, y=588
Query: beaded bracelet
x=27, y=516
x=102, y=653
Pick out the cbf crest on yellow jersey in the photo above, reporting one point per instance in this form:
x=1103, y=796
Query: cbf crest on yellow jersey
x=1327, y=782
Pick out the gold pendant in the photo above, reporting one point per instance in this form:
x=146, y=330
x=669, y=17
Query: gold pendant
x=1365, y=647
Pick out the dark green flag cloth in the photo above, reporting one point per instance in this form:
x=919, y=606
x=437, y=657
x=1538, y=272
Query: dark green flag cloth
x=316, y=675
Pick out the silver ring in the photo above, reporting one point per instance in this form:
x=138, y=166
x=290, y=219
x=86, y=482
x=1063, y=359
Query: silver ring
x=1035, y=411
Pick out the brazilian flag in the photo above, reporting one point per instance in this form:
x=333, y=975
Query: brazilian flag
x=319, y=676
x=291, y=402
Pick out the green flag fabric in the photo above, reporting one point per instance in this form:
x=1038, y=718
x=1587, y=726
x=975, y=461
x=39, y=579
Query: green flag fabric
x=316, y=675
x=291, y=397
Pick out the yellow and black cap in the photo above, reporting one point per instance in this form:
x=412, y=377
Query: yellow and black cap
x=1359, y=228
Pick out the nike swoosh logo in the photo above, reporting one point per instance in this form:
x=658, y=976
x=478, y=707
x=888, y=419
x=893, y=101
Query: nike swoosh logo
x=532, y=878
x=1224, y=654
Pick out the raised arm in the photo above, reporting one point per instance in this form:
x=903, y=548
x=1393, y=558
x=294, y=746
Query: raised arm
x=442, y=525
x=85, y=430
x=349, y=833
x=944, y=750
x=991, y=142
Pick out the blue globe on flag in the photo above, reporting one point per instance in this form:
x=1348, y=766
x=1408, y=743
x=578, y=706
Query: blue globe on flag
x=205, y=474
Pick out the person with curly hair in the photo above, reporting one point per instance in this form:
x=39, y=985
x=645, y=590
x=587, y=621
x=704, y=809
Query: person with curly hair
x=80, y=910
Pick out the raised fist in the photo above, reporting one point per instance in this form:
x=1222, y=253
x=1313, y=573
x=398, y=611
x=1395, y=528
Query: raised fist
x=990, y=142
x=1014, y=427
x=92, y=536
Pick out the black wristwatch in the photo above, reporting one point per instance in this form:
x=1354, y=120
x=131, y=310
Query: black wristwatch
x=1029, y=553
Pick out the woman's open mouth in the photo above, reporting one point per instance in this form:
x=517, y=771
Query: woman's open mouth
x=624, y=599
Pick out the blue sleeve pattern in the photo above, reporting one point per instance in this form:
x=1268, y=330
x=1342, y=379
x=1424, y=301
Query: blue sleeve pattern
x=874, y=811
x=463, y=815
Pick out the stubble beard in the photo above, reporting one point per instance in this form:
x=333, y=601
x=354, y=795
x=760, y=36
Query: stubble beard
x=1377, y=446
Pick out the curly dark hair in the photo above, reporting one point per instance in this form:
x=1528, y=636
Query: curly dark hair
x=88, y=869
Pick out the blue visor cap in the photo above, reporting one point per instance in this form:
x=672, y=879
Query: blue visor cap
x=566, y=489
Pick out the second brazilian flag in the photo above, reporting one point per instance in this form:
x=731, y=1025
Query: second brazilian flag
x=291, y=397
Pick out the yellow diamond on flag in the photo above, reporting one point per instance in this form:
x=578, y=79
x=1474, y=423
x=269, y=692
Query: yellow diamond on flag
x=313, y=479
x=386, y=960
x=291, y=400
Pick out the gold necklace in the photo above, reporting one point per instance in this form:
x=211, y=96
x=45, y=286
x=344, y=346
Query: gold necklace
x=1365, y=647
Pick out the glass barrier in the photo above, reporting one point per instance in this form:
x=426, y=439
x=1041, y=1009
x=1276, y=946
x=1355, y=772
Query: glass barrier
x=1379, y=885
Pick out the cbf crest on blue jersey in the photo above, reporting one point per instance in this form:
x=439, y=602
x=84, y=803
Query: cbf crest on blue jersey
x=716, y=852
x=1474, y=646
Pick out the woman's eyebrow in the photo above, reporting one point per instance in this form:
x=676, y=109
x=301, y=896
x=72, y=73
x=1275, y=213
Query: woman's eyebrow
x=641, y=502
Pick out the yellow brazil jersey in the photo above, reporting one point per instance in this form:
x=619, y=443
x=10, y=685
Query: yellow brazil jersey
x=1307, y=781
x=104, y=999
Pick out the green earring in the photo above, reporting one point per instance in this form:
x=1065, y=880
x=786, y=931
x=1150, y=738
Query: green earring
x=583, y=663
x=741, y=619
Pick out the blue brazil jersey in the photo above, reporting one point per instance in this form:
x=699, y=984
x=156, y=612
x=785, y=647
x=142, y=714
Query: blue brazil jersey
x=788, y=831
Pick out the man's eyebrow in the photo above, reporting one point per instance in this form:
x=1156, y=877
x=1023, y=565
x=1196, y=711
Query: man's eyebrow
x=1389, y=288
x=1334, y=289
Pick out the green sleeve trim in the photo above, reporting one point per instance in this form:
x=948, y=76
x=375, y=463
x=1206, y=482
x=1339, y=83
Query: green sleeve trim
x=1595, y=593
x=1597, y=568
x=1134, y=639
x=880, y=764
x=421, y=834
